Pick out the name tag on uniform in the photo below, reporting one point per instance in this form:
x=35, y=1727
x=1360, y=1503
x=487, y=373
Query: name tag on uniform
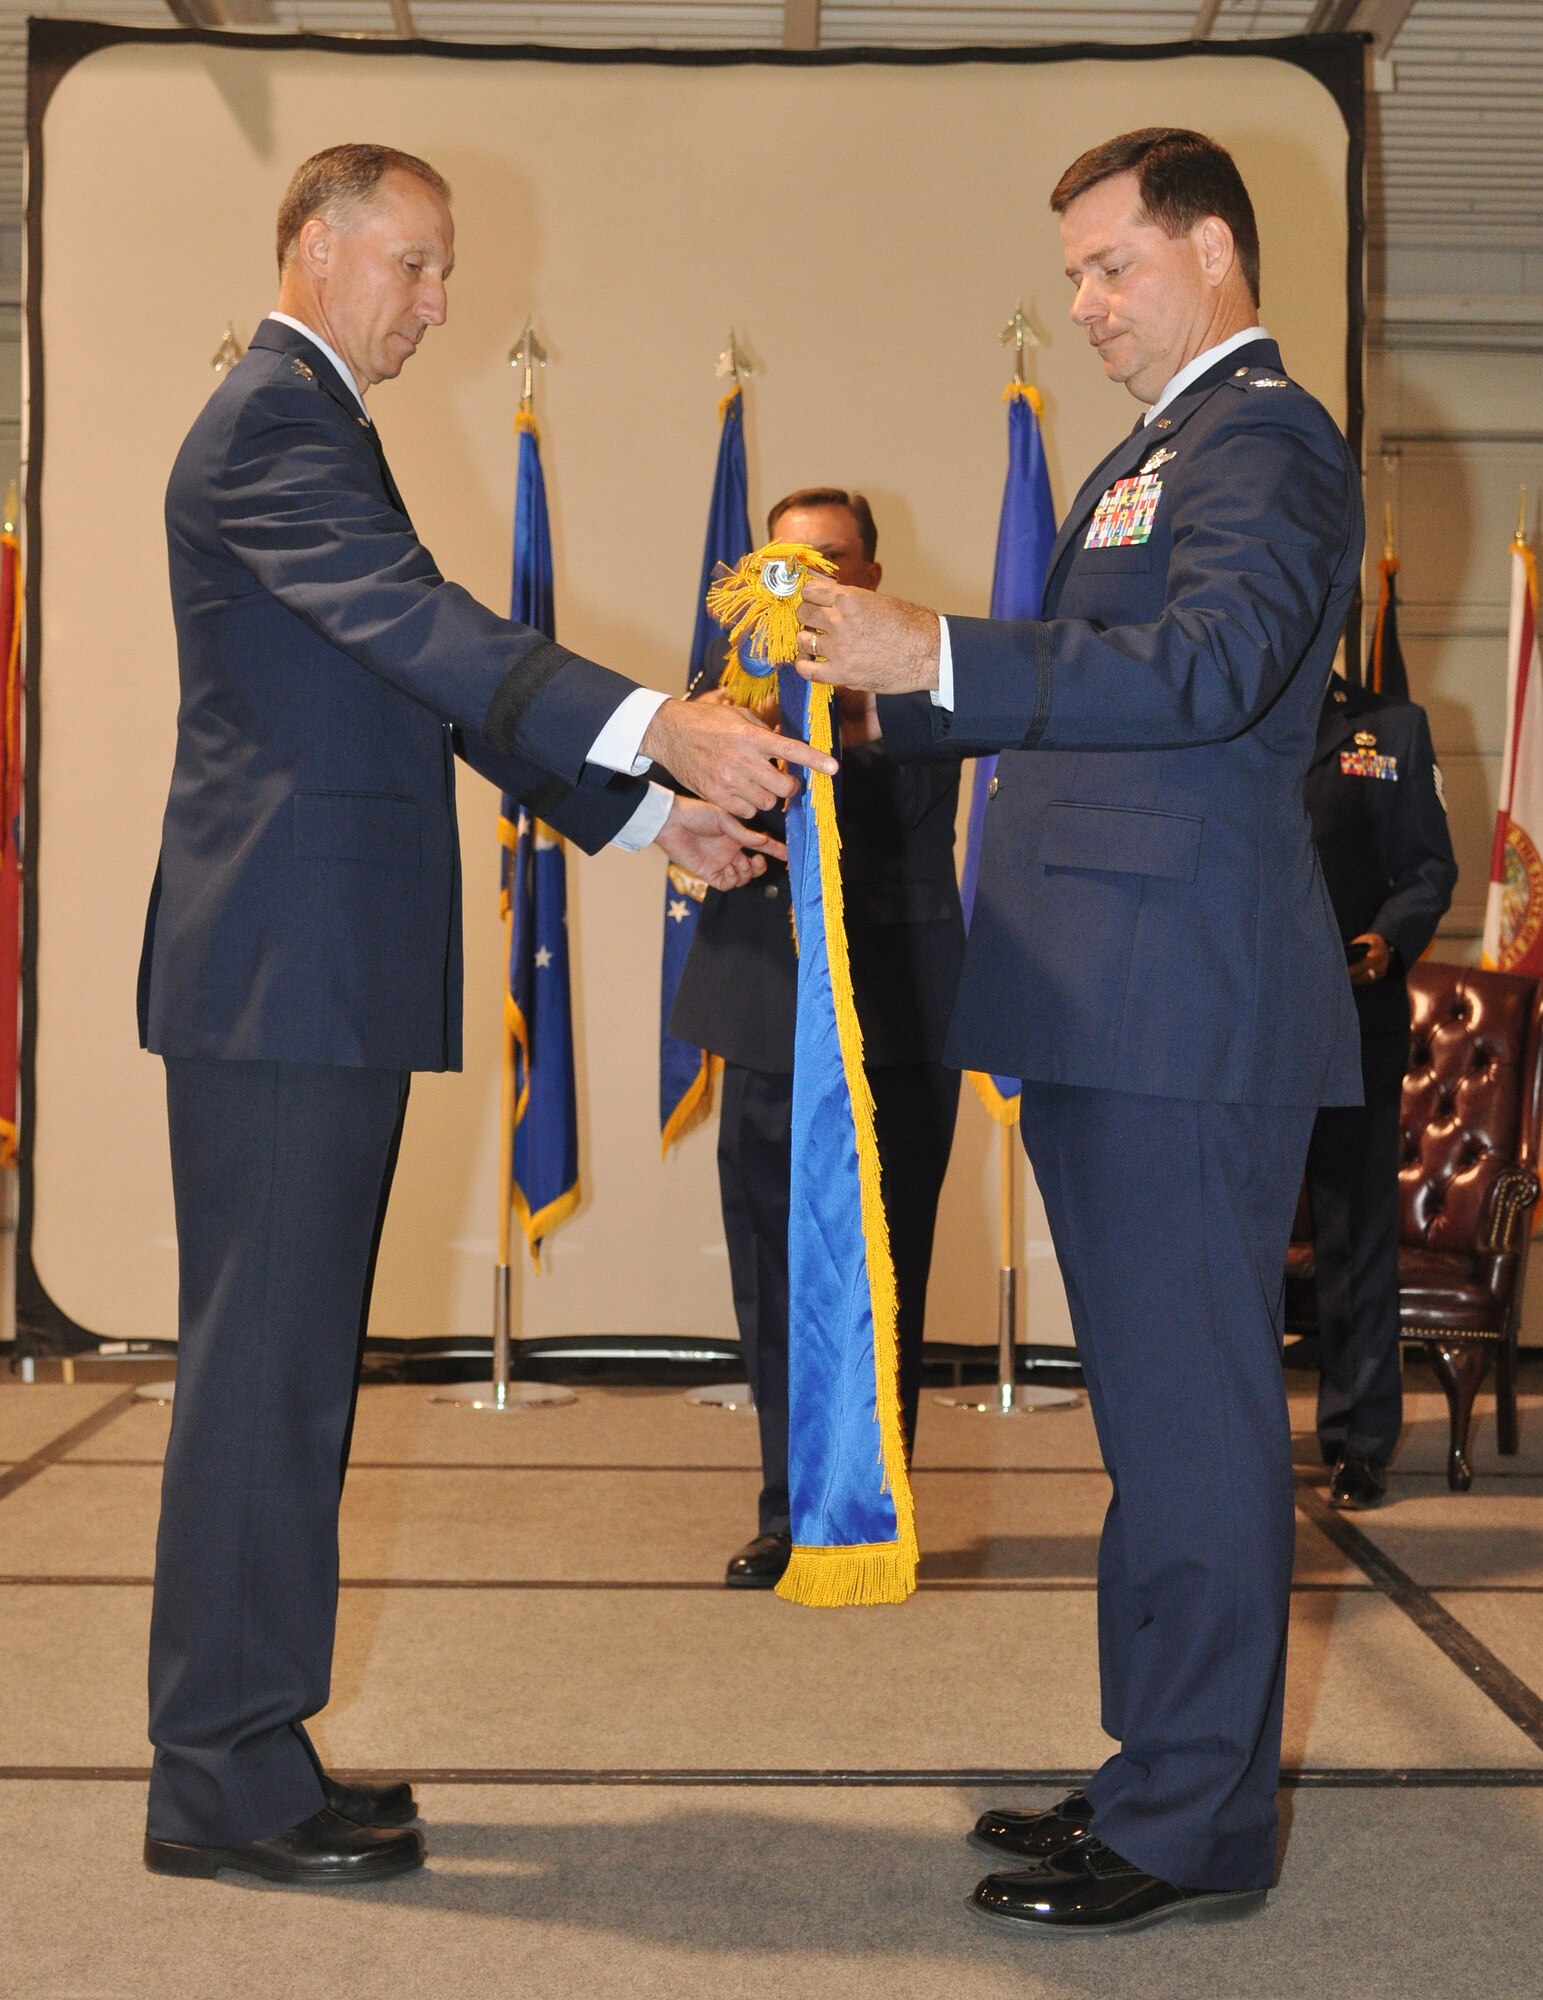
x=1123, y=518
x=1368, y=764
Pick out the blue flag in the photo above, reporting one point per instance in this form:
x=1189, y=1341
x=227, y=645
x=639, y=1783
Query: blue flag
x=1024, y=541
x=686, y=1073
x=854, y=1532
x=538, y=1005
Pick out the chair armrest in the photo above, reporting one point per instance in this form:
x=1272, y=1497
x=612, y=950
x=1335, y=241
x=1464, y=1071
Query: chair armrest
x=1512, y=1197
x=1511, y=1201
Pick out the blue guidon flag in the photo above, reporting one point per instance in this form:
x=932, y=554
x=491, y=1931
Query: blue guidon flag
x=686, y=1073
x=538, y=1004
x=854, y=1532
x=1024, y=541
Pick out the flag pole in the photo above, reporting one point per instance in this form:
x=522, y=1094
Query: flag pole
x=501, y=1395
x=733, y=365
x=1007, y=1277
x=1008, y=1400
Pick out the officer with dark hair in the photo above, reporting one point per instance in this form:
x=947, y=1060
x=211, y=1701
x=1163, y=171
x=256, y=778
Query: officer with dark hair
x=1374, y=797
x=1153, y=951
x=737, y=997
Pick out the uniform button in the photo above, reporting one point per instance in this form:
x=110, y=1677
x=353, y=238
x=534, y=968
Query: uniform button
x=991, y=789
x=1237, y=372
x=771, y=890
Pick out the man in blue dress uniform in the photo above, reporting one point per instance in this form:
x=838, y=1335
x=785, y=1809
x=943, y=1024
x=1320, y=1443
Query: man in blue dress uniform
x=1374, y=798
x=303, y=956
x=1154, y=953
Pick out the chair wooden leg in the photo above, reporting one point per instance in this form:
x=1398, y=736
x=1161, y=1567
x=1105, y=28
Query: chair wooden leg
x=1460, y=1368
x=1506, y=1427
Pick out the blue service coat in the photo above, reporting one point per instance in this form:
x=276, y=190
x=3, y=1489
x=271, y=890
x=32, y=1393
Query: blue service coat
x=1151, y=915
x=307, y=904
x=1379, y=818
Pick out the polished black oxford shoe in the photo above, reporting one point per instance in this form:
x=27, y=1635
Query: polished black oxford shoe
x=1358, y=1483
x=325, y=1849
x=370, y=1805
x=759, y=1564
x=1089, y=1890
x=1033, y=1836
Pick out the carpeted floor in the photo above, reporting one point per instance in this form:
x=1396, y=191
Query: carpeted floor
x=635, y=1782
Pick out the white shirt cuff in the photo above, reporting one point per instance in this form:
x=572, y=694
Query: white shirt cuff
x=618, y=747
x=647, y=823
x=943, y=693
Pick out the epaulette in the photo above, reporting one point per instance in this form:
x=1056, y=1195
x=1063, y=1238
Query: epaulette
x=1259, y=378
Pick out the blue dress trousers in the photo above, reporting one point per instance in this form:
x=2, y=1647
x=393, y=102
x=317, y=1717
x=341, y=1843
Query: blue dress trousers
x=1154, y=952
x=302, y=957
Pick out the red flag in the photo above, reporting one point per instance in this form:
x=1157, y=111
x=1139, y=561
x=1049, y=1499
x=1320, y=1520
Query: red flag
x=10, y=830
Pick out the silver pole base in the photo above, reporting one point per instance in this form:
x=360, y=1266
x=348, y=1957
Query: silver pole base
x=156, y=1392
x=1010, y=1402
x=722, y=1396
x=502, y=1397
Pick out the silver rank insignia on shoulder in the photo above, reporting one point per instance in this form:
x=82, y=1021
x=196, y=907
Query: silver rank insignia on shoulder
x=303, y=369
x=1269, y=382
x=1159, y=457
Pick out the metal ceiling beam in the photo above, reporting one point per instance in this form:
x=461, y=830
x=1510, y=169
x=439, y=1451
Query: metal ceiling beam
x=224, y=13
x=402, y=20
x=1205, y=20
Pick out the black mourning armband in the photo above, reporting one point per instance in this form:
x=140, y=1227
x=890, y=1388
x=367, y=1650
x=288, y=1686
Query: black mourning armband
x=514, y=694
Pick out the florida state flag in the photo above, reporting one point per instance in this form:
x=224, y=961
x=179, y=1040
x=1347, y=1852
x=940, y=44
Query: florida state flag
x=1513, y=917
x=10, y=829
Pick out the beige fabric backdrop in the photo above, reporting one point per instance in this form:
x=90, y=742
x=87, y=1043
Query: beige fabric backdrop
x=866, y=229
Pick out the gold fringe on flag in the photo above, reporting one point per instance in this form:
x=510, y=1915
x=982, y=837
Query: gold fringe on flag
x=871, y=1572
x=1003, y=1109
x=759, y=601
x=759, y=598
x=745, y=689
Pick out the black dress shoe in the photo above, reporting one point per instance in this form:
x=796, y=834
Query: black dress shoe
x=326, y=1848
x=1358, y=1482
x=370, y=1805
x=1034, y=1836
x=759, y=1564
x=1089, y=1889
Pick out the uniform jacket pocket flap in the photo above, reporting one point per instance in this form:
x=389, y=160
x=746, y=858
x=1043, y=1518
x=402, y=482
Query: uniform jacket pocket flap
x=1121, y=839
x=357, y=826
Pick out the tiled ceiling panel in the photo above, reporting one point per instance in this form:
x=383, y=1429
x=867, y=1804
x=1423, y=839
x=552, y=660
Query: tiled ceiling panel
x=1455, y=158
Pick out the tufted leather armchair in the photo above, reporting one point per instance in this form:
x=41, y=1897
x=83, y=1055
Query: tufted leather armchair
x=1473, y=1098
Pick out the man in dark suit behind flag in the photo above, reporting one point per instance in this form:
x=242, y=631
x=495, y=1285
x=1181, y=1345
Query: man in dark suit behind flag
x=303, y=956
x=737, y=998
x=1153, y=951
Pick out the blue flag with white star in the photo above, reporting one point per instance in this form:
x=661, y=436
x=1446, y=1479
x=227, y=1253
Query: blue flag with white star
x=1025, y=538
x=538, y=1005
x=686, y=1073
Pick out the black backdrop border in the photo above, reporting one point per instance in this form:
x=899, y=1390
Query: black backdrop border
x=54, y=47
